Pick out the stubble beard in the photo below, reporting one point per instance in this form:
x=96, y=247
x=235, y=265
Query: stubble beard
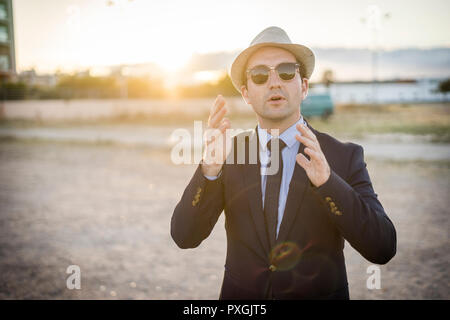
x=275, y=118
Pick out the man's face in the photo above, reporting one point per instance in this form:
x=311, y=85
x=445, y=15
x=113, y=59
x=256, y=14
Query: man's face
x=292, y=91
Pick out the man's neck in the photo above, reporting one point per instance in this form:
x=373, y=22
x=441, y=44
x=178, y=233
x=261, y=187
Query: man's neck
x=270, y=125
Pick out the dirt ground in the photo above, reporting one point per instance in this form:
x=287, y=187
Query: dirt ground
x=107, y=209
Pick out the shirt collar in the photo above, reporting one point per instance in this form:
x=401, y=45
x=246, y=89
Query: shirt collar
x=288, y=136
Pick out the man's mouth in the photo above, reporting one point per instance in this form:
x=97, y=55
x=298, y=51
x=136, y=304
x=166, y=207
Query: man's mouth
x=276, y=98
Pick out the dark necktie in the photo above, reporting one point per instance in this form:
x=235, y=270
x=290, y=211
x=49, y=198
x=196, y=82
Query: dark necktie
x=272, y=193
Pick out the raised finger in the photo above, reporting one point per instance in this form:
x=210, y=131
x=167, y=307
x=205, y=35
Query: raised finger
x=224, y=125
x=306, y=131
x=212, y=133
x=307, y=141
x=303, y=161
x=215, y=120
x=314, y=155
x=218, y=104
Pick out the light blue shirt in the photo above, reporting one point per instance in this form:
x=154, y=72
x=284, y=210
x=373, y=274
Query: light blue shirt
x=288, y=154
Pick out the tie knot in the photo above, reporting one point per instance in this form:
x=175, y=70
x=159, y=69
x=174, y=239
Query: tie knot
x=274, y=141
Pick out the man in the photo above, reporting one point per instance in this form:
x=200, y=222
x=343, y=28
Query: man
x=285, y=229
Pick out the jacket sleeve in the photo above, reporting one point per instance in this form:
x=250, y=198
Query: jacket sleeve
x=198, y=210
x=358, y=214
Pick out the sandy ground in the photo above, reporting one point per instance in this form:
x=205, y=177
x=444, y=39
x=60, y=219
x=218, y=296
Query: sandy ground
x=107, y=209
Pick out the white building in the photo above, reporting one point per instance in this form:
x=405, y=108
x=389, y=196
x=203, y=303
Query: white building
x=420, y=91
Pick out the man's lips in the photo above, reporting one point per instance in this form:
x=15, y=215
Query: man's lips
x=276, y=98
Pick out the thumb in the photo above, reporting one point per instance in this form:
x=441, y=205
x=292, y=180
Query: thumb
x=302, y=161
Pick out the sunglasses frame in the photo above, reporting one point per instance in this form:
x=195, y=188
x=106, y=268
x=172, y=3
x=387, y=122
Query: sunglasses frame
x=297, y=68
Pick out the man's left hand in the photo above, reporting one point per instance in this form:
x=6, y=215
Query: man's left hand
x=317, y=167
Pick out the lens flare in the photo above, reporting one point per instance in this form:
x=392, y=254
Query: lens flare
x=285, y=255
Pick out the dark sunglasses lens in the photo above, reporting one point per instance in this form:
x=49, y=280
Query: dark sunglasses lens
x=259, y=74
x=286, y=71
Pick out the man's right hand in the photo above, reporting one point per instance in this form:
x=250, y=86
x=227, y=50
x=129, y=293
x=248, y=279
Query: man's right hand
x=217, y=144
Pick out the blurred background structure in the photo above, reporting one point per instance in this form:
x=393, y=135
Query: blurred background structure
x=7, y=50
x=92, y=90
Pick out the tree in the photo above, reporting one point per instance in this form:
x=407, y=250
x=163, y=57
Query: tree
x=223, y=86
x=144, y=87
x=86, y=86
x=444, y=86
x=327, y=77
x=13, y=91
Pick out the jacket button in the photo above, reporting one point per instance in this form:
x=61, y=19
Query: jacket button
x=272, y=268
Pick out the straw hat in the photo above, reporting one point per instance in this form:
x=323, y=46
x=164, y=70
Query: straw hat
x=271, y=37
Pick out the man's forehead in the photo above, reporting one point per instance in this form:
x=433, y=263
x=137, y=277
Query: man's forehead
x=270, y=55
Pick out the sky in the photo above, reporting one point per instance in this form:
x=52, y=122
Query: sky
x=70, y=35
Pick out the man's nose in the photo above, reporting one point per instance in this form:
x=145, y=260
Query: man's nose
x=274, y=80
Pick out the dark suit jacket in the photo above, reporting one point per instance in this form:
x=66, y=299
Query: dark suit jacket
x=308, y=260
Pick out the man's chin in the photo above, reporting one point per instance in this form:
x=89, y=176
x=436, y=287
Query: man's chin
x=275, y=117
x=276, y=114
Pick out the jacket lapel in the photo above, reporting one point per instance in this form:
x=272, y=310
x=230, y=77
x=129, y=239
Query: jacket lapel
x=297, y=190
x=252, y=178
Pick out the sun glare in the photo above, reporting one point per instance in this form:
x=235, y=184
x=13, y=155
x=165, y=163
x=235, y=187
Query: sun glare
x=172, y=60
x=208, y=76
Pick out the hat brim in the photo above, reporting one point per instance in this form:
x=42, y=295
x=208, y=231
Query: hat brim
x=303, y=55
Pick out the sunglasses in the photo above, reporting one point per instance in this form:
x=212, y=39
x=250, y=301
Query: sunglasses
x=260, y=74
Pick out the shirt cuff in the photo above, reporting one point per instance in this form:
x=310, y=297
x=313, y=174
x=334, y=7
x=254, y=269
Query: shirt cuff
x=212, y=178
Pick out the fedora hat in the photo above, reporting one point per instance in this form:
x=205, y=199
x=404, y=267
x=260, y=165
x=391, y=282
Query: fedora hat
x=271, y=37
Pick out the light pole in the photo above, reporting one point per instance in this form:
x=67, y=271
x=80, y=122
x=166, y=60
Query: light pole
x=374, y=18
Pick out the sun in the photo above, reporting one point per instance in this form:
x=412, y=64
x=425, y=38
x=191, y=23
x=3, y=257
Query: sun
x=172, y=59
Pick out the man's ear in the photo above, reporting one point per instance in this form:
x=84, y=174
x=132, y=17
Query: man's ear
x=305, y=87
x=244, y=92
